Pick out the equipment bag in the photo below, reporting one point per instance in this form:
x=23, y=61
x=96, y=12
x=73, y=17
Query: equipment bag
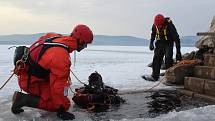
x=31, y=56
x=21, y=53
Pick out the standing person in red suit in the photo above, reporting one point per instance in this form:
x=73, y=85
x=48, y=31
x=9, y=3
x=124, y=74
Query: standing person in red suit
x=45, y=78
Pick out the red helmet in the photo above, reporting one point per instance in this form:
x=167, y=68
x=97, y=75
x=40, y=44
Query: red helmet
x=159, y=20
x=83, y=33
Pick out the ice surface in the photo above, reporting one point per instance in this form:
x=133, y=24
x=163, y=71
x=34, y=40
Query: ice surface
x=120, y=67
x=199, y=114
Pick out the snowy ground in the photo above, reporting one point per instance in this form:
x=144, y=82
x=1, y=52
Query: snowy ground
x=120, y=67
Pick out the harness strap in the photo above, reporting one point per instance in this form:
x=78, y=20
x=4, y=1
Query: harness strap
x=164, y=32
x=56, y=44
x=34, y=68
x=157, y=33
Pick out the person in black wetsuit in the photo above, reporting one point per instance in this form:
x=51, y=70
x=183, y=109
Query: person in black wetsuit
x=165, y=34
x=96, y=96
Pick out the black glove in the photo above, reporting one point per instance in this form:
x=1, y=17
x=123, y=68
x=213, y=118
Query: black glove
x=62, y=114
x=151, y=46
x=178, y=56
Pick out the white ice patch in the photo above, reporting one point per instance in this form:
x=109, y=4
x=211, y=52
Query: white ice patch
x=120, y=66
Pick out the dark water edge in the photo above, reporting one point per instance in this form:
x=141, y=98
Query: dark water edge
x=135, y=107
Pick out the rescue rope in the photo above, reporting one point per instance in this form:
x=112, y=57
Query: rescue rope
x=15, y=71
x=77, y=78
x=183, y=62
x=69, y=79
x=7, y=81
x=72, y=90
x=186, y=62
x=148, y=90
x=74, y=58
x=143, y=91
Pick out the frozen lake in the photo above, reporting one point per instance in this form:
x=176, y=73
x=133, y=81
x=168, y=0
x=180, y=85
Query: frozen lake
x=120, y=66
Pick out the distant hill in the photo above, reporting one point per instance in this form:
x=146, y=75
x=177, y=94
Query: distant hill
x=19, y=39
x=189, y=41
x=119, y=40
x=25, y=39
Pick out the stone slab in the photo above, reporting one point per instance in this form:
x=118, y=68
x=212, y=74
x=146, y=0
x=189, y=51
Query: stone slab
x=209, y=88
x=209, y=60
x=194, y=84
x=206, y=72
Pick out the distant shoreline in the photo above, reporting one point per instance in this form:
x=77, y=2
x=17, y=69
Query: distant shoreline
x=99, y=40
x=103, y=45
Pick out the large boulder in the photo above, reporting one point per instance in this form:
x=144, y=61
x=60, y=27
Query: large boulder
x=176, y=74
x=207, y=41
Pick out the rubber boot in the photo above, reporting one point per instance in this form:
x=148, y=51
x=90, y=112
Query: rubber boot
x=20, y=99
x=150, y=78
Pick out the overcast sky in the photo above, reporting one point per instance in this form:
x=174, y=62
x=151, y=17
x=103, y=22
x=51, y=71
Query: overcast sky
x=105, y=17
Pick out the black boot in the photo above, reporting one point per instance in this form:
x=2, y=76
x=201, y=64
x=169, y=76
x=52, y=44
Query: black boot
x=20, y=99
x=150, y=78
x=62, y=114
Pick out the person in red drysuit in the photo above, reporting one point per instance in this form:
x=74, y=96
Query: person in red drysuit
x=50, y=93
